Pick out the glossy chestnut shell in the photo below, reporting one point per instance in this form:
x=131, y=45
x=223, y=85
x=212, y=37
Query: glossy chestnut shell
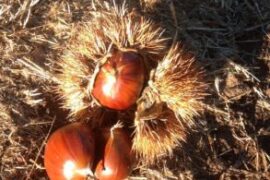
x=69, y=153
x=116, y=163
x=120, y=80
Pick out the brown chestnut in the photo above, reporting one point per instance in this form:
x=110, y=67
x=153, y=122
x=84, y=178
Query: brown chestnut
x=116, y=163
x=69, y=153
x=120, y=80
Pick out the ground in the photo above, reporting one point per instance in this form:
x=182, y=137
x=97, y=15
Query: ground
x=231, y=40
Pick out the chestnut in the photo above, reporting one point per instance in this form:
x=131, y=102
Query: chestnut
x=116, y=163
x=115, y=34
x=69, y=153
x=120, y=80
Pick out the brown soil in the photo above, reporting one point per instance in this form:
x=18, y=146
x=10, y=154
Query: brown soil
x=231, y=39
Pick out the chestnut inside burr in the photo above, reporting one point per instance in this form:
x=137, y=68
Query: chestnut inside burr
x=120, y=80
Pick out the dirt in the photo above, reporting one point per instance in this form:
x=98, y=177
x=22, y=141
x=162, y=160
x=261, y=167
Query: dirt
x=231, y=41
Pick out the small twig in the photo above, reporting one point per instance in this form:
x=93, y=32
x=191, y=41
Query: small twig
x=239, y=68
x=264, y=104
x=256, y=26
x=172, y=8
x=208, y=29
x=40, y=149
x=38, y=71
x=214, y=109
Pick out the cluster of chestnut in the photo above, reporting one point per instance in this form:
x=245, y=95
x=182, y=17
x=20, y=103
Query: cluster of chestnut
x=120, y=62
x=77, y=152
x=74, y=150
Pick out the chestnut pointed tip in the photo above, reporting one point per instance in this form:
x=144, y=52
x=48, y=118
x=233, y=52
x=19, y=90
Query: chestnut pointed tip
x=116, y=163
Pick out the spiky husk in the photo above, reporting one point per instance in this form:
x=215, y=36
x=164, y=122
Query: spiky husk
x=111, y=28
x=158, y=136
x=179, y=82
x=75, y=73
x=116, y=27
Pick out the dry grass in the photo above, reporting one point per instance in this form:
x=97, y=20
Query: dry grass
x=231, y=39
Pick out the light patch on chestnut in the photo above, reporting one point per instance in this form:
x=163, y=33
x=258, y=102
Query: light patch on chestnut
x=107, y=88
x=69, y=169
